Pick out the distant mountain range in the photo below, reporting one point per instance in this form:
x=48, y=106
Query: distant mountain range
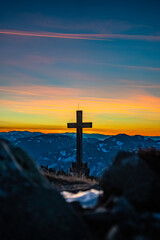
x=59, y=150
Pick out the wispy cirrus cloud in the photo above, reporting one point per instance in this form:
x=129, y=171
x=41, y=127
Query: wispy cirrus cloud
x=99, y=37
x=134, y=67
x=31, y=60
x=85, y=25
x=46, y=91
x=138, y=84
x=4, y=89
x=96, y=94
x=145, y=86
x=98, y=26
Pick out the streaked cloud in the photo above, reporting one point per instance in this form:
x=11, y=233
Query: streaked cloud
x=37, y=90
x=93, y=25
x=134, y=67
x=98, y=26
x=15, y=91
x=138, y=84
x=55, y=97
x=100, y=37
x=38, y=59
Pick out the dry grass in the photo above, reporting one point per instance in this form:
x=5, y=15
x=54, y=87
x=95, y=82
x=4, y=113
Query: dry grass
x=70, y=183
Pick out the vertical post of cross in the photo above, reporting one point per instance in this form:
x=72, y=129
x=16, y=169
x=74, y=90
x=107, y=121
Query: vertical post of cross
x=79, y=125
x=79, y=141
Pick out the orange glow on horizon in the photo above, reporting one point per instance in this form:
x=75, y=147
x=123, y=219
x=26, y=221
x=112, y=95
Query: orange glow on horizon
x=131, y=132
x=48, y=109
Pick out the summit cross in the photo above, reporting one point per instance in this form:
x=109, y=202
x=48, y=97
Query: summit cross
x=79, y=125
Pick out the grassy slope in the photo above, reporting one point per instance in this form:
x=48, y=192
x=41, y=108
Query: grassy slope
x=71, y=183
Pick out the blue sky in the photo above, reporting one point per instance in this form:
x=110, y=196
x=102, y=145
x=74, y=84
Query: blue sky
x=87, y=52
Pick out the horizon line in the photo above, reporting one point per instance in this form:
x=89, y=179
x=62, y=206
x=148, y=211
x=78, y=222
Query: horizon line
x=44, y=132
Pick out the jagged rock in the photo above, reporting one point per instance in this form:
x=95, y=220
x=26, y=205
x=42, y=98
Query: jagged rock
x=29, y=207
x=102, y=220
x=148, y=227
x=131, y=194
x=123, y=211
x=127, y=231
x=132, y=177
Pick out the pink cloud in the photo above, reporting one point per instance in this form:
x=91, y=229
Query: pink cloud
x=100, y=37
x=40, y=59
x=29, y=60
x=37, y=90
x=138, y=84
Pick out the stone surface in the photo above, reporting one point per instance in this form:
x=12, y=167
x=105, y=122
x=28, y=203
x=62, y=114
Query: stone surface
x=129, y=208
x=133, y=178
x=30, y=208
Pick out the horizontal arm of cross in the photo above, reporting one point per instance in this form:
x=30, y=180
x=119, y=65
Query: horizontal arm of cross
x=87, y=125
x=71, y=125
x=82, y=125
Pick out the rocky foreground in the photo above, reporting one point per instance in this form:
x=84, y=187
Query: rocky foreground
x=32, y=208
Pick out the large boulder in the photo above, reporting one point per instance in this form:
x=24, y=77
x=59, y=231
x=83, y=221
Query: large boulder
x=136, y=178
x=29, y=207
x=129, y=209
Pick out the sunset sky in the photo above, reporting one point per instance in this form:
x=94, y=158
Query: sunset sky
x=101, y=55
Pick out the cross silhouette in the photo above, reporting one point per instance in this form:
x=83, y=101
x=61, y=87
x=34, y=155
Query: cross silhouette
x=79, y=125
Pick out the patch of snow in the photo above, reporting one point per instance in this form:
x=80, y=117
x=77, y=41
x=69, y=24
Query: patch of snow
x=113, y=139
x=59, y=158
x=98, y=148
x=101, y=144
x=146, y=138
x=104, y=150
x=86, y=198
x=69, y=159
x=119, y=143
x=92, y=169
x=100, y=164
x=53, y=165
x=63, y=153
